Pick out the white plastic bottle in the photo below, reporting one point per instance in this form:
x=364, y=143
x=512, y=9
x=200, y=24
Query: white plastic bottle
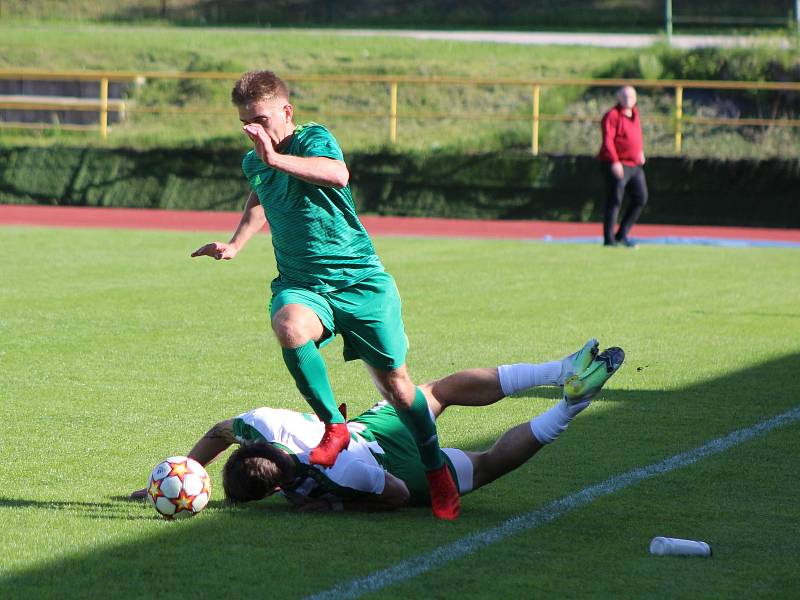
x=661, y=546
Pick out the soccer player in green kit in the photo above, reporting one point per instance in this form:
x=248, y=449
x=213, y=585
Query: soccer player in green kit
x=330, y=280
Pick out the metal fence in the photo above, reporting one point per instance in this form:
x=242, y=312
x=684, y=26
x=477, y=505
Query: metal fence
x=102, y=105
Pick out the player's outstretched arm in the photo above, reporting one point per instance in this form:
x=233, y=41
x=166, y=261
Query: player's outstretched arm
x=216, y=440
x=253, y=219
x=207, y=449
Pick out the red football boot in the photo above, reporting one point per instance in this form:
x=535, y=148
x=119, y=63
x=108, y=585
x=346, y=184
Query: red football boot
x=445, y=500
x=335, y=439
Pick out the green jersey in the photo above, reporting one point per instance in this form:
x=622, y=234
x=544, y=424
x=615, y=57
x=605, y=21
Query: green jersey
x=319, y=242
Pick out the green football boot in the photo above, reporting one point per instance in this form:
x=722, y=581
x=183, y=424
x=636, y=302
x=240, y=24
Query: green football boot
x=577, y=362
x=585, y=385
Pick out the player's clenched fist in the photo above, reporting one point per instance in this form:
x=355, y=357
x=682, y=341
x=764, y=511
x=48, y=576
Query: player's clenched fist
x=217, y=251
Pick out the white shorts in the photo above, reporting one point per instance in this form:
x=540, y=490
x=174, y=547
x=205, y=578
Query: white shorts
x=463, y=466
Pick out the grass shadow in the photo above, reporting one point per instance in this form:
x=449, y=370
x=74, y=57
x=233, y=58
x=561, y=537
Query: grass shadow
x=269, y=544
x=89, y=510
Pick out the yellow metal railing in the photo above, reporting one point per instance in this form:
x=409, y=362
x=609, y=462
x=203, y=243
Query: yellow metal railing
x=535, y=91
x=103, y=105
x=678, y=118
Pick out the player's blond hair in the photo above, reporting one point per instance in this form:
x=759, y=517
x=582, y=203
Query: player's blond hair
x=255, y=86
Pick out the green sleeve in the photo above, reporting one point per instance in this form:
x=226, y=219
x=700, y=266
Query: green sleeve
x=245, y=432
x=318, y=141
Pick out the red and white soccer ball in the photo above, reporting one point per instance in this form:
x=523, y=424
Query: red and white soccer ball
x=179, y=487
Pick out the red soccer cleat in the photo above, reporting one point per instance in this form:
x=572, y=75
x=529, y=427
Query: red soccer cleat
x=445, y=500
x=335, y=439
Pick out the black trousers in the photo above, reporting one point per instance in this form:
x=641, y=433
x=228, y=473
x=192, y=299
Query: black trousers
x=632, y=182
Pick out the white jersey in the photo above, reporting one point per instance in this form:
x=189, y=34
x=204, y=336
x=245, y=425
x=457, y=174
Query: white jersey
x=355, y=472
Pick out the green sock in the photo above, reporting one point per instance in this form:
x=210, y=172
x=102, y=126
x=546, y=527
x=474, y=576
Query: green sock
x=418, y=421
x=308, y=369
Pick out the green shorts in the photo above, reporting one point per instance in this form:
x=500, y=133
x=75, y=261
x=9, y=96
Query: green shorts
x=401, y=457
x=366, y=314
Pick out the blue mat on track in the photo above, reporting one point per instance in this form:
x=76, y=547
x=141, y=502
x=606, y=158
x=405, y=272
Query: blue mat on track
x=681, y=241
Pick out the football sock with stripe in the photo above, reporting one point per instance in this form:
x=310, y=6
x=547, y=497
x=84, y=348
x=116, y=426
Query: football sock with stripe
x=418, y=421
x=521, y=376
x=307, y=366
x=547, y=426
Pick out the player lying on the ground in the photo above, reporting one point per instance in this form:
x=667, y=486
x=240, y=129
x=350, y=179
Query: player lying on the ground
x=381, y=469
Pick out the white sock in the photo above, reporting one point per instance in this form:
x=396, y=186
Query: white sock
x=521, y=376
x=547, y=426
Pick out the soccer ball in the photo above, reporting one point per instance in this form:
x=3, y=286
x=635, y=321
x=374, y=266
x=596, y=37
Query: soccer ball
x=179, y=487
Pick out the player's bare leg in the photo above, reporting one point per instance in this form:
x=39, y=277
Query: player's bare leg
x=482, y=387
x=298, y=328
x=519, y=444
x=412, y=408
x=471, y=387
x=513, y=449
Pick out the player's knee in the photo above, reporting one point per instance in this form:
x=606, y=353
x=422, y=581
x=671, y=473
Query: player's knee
x=290, y=332
x=399, y=398
x=400, y=392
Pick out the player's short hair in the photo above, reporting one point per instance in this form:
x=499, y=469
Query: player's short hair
x=255, y=86
x=252, y=472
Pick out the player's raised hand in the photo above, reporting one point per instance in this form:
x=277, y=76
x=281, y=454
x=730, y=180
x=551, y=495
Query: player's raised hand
x=264, y=145
x=217, y=251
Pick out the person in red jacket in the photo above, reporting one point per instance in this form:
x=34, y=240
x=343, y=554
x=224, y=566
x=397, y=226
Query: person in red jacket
x=622, y=158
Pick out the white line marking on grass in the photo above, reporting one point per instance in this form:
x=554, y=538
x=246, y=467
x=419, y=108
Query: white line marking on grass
x=412, y=567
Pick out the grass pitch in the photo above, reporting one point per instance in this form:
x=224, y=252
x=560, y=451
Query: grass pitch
x=117, y=350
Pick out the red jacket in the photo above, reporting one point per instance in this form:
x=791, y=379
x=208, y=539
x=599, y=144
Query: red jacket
x=622, y=137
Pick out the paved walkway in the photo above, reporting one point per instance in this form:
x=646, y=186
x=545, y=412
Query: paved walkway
x=530, y=38
x=552, y=231
x=545, y=38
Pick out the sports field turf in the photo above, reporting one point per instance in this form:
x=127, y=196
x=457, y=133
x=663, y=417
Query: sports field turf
x=117, y=350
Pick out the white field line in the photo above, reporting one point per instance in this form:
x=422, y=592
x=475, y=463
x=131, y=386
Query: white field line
x=412, y=567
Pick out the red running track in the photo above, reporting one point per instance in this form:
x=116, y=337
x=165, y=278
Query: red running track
x=173, y=220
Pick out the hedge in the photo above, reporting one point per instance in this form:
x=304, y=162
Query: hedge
x=485, y=186
x=424, y=14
